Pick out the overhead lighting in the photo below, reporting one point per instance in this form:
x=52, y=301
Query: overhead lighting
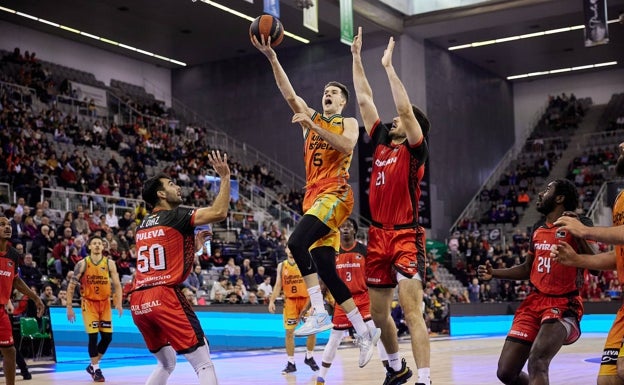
x=560, y=70
x=249, y=18
x=91, y=36
x=518, y=37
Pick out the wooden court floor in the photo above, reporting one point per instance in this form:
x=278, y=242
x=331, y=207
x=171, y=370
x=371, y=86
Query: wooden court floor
x=454, y=361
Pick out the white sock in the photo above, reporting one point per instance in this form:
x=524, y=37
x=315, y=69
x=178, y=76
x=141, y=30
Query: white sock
x=394, y=361
x=291, y=359
x=358, y=322
x=95, y=366
x=309, y=353
x=316, y=299
x=424, y=376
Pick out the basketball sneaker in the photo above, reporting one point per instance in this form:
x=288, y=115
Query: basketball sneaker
x=90, y=370
x=398, y=377
x=315, y=323
x=320, y=381
x=98, y=376
x=366, y=344
x=311, y=363
x=26, y=374
x=290, y=368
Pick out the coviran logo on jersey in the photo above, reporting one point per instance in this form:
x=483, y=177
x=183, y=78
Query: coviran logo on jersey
x=387, y=162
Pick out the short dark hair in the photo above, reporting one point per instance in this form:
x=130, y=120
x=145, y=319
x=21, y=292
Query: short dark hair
x=570, y=193
x=343, y=89
x=151, y=187
x=425, y=125
x=354, y=223
x=95, y=237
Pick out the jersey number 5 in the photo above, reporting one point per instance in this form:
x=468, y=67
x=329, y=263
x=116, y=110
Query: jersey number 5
x=151, y=258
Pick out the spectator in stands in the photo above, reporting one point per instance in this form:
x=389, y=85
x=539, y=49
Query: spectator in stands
x=111, y=218
x=42, y=245
x=266, y=287
x=30, y=273
x=192, y=281
x=219, y=287
x=259, y=276
x=126, y=220
x=473, y=291
x=17, y=229
x=47, y=295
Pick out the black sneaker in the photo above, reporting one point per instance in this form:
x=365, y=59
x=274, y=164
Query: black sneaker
x=311, y=363
x=399, y=377
x=90, y=370
x=26, y=374
x=98, y=376
x=290, y=368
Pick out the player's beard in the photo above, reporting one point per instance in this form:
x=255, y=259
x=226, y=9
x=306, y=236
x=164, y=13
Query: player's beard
x=619, y=166
x=547, y=206
x=397, y=136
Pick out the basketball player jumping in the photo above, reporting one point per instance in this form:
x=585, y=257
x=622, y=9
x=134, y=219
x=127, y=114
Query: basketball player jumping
x=329, y=141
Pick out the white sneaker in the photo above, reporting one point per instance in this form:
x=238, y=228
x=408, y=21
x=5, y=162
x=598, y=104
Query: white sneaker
x=315, y=323
x=366, y=344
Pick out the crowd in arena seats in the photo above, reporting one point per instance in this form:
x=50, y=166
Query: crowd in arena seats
x=82, y=153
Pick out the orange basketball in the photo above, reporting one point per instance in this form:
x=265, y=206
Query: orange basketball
x=267, y=25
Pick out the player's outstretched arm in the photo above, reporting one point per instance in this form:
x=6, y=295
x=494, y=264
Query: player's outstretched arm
x=566, y=255
x=401, y=99
x=219, y=209
x=363, y=90
x=296, y=103
x=613, y=235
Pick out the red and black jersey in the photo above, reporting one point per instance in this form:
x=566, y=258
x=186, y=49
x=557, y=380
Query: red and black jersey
x=165, y=244
x=548, y=276
x=351, y=267
x=395, y=178
x=8, y=272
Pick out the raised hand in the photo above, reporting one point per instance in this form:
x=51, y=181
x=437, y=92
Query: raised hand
x=485, y=271
x=386, y=60
x=219, y=163
x=263, y=46
x=356, y=46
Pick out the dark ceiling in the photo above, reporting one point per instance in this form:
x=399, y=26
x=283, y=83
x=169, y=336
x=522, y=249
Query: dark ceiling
x=195, y=33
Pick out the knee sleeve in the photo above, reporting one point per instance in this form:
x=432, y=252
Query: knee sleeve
x=105, y=340
x=93, y=344
x=202, y=364
x=166, y=358
x=332, y=346
x=325, y=258
x=309, y=230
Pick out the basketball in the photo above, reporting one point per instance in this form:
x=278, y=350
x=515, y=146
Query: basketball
x=267, y=25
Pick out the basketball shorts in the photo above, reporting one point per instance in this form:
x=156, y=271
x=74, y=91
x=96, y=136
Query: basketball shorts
x=538, y=308
x=340, y=320
x=165, y=317
x=293, y=307
x=6, y=329
x=331, y=204
x=392, y=251
x=97, y=315
x=613, y=349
